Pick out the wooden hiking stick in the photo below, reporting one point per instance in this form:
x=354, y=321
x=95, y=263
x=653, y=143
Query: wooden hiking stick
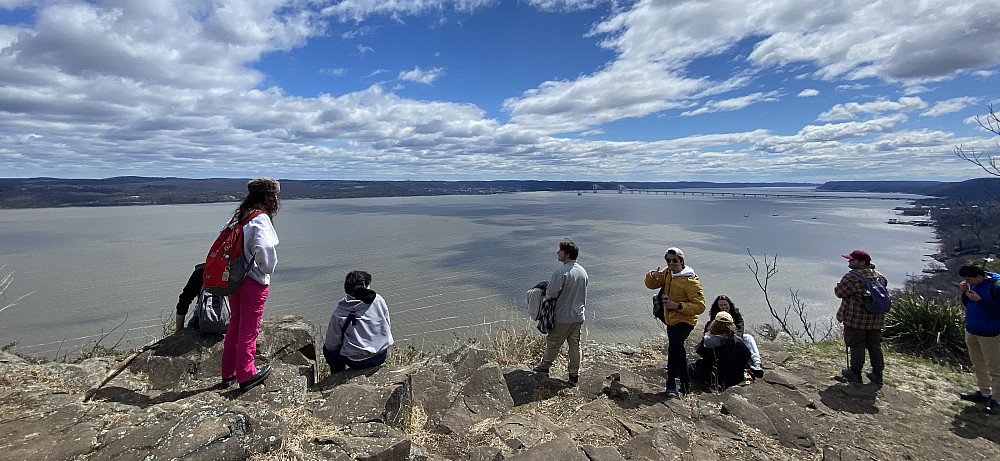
x=120, y=368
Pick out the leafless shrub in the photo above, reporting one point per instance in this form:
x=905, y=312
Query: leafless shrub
x=988, y=162
x=6, y=279
x=763, y=271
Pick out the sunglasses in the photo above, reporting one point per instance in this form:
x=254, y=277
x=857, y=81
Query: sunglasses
x=669, y=260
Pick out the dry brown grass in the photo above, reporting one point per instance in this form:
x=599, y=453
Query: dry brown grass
x=509, y=345
x=302, y=428
x=18, y=379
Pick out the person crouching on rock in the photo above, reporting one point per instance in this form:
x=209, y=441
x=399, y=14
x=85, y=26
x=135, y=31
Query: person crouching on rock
x=725, y=358
x=723, y=304
x=359, y=333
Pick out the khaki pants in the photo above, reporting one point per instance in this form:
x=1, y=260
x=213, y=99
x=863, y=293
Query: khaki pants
x=984, y=352
x=563, y=332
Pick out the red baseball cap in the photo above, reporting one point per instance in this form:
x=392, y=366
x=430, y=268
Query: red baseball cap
x=860, y=255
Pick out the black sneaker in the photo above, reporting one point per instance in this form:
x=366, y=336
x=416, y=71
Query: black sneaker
x=540, y=369
x=226, y=382
x=757, y=373
x=574, y=379
x=992, y=408
x=977, y=397
x=258, y=378
x=875, y=378
x=850, y=375
x=672, y=390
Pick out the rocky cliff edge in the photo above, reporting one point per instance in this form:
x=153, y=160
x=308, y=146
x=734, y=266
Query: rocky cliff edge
x=462, y=405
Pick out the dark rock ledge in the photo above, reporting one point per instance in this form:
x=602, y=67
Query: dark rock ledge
x=462, y=405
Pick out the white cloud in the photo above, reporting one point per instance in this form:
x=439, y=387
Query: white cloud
x=808, y=92
x=850, y=110
x=418, y=75
x=732, y=103
x=949, y=106
x=334, y=72
x=171, y=88
x=654, y=41
x=884, y=39
x=360, y=10
x=563, y=106
x=358, y=32
x=191, y=46
x=565, y=5
x=12, y=4
x=915, y=89
x=852, y=87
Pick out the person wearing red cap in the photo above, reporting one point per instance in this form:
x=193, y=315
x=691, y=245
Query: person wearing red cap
x=862, y=329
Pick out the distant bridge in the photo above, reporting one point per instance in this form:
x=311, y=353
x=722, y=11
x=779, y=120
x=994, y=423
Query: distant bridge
x=627, y=190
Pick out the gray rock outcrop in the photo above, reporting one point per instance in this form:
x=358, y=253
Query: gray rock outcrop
x=168, y=404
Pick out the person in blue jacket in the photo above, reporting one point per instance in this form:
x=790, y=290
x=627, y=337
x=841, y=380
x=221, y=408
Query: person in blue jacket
x=981, y=298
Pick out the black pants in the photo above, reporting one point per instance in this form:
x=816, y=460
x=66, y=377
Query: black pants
x=858, y=341
x=677, y=366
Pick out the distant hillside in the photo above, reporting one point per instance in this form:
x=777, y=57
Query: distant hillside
x=134, y=190
x=972, y=189
x=905, y=187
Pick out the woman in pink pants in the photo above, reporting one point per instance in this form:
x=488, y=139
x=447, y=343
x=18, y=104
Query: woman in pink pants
x=247, y=303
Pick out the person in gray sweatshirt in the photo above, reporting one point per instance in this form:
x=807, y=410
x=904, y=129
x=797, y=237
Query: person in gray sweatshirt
x=568, y=287
x=359, y=333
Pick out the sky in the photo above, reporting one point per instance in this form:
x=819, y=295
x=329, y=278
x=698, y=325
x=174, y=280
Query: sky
x=648, y=90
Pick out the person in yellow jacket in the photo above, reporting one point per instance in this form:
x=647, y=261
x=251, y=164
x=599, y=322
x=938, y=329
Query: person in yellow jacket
x=683, y=301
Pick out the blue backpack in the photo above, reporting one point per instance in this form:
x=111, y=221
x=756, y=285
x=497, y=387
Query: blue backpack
x=876, y=296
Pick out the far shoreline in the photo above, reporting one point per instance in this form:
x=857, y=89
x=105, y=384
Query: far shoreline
x=20, y=193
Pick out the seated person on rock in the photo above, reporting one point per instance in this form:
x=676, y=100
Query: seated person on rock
x=359, y=333
x=723, y=304
x=724, y=357
x=190, y=292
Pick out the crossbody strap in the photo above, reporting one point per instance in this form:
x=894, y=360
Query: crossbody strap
x=350, y=320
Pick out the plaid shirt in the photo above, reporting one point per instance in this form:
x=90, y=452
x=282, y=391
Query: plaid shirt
x=852, y=312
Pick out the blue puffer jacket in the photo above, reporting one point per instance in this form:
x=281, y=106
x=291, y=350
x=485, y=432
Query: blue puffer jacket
x=982, y=318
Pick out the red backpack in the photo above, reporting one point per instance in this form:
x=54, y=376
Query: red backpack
x=226, y=267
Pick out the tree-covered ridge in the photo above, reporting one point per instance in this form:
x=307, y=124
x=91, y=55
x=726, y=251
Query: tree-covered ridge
x=133, y=190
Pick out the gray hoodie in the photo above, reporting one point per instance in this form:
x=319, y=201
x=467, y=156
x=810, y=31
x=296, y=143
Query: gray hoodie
x=569, y=286
x=369, y=336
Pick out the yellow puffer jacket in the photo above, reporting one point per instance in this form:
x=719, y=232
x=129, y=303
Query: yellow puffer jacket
x=683, y=287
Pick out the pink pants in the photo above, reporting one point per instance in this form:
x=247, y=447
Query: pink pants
x=240, y=345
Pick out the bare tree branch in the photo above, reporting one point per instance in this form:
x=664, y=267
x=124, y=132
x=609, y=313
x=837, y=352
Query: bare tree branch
x=812, y=331
x=5, y=281
x=989, y=163
x=763, y=278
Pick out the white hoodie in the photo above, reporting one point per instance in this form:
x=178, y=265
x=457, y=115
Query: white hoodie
x=259, y=240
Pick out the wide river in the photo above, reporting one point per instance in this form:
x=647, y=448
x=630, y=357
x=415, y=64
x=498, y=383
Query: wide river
x=448, y=266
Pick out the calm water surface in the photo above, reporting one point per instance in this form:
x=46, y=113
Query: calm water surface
x=451, y=266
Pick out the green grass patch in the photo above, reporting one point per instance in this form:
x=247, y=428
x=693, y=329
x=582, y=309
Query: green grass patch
x=924, y=327
x=829, y=349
